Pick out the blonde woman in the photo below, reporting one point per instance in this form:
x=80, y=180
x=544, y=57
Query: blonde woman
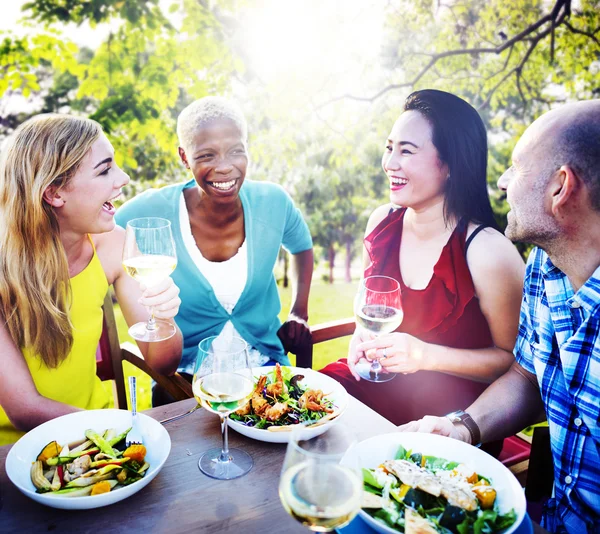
x=60, y=252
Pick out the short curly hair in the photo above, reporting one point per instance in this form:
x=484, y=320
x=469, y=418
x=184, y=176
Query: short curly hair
x=206, y=110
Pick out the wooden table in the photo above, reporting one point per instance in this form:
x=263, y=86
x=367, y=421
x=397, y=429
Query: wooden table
x=181, y=498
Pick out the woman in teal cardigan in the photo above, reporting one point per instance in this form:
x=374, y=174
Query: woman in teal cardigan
x=228, y=232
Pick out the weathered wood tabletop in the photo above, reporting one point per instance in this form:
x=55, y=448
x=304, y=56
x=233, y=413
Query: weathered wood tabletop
x=181, y=498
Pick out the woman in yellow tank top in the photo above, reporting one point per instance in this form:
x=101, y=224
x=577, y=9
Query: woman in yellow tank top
x=60, y=252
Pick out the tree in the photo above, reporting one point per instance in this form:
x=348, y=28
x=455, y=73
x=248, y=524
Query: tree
x=494, y=50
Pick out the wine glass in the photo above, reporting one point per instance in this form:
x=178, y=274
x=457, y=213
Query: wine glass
x=316, y=488
x=378, y=309
x=149, y=257
x=222, y=384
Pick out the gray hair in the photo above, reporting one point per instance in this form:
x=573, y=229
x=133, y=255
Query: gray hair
x=206, y=110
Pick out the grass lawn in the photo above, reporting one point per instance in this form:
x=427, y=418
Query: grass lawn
x=327, y=303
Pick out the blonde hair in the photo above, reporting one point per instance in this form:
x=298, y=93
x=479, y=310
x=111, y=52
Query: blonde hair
x=34, y=272
x=206, y=110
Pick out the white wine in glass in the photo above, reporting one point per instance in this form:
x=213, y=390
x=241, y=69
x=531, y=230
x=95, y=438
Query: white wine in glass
x=377, y=309
x=223, y=383
x=149, y=257
x=315, y=488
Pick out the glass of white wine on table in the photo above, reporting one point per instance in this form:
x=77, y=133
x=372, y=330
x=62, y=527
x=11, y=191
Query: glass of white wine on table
x=149, y=257
x=222, y=384
x=316, y=487
x=378, y=309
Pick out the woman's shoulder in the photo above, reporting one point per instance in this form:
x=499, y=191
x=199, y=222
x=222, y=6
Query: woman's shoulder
x=378, y=215
x=490, y=251
x=109, y=247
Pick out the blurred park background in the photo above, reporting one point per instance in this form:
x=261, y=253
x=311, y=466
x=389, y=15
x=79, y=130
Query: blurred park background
x=321, y=83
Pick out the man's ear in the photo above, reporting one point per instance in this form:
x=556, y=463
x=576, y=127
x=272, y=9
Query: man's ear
x=183, y=157
x=564, y=186
x=53, y=197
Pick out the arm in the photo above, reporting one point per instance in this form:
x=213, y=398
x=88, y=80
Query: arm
x=163, y=356
x=497, y=271
x=23, y=404
x=295, y=333
x=302, y=270
x=510, y=404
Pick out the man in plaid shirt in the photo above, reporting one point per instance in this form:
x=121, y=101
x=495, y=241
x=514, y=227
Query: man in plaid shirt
x=553, y=190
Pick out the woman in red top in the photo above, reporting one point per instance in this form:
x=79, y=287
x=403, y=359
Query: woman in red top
x=461, y=279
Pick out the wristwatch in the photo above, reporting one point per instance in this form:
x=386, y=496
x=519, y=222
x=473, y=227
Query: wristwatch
x=460, y=416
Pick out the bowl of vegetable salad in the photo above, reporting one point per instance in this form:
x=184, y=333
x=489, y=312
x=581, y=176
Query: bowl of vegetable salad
x=80, y=460
x=285, y=397
x=416, y=482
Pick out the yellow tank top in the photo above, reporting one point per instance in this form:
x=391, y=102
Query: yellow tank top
x=74, y=381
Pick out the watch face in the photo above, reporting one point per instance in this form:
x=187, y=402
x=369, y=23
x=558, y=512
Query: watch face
x=455, y=416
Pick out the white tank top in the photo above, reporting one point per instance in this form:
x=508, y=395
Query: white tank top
x=227, y=279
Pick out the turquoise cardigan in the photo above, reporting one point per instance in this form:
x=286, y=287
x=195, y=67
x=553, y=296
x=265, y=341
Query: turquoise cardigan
x=270, y=220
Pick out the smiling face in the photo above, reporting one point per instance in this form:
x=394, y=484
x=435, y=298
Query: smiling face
x=217, y=158
x=84, y=205
x=411, y=162
x=526, y=182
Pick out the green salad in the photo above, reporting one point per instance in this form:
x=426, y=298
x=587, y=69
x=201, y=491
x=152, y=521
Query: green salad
x=280, y=399
x=421, y=494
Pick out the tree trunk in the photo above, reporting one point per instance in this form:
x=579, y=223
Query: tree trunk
x=331, y=263
x=348, y=260
x=286, y=263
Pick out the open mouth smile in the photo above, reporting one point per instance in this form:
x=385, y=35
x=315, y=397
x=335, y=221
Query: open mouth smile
x=223, y=186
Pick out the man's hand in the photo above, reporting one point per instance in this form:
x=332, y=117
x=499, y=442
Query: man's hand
x=438, y=425
x=295, y=334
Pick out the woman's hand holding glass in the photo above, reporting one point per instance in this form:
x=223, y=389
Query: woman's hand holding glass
x=161, y=299
x=317, y=488
x=378, y=310
x=397, y=352
x=149, y=257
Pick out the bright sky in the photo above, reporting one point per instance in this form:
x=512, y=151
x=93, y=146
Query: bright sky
x=297, y=47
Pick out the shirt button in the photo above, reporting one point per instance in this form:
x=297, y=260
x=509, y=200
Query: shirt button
x=578, y=421
x=568, y=479
x=575, y=304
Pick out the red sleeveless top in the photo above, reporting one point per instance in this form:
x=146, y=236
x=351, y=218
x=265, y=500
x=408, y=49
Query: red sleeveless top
x=445, y=313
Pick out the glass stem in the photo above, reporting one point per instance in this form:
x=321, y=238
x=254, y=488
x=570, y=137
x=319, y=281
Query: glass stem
x=151, y=325
x=225, y=450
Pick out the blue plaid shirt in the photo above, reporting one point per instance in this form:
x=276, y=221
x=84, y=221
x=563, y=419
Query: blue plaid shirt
x=559, y=342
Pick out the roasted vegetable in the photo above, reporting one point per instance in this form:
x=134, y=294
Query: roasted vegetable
x=485, y=495
x=100, y=442
x=136, y=452
x=78, y=492
x=415, y=498
x=57, y=479
x=91, y=477
x=60, y=460
x=101, y=487
x=49, y=451
x=452, y=517
x=38, y=478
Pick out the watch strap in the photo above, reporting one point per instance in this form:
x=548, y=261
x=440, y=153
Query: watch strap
x=464, y=418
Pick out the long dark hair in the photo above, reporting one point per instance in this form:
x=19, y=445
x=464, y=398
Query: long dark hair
x=461, y=141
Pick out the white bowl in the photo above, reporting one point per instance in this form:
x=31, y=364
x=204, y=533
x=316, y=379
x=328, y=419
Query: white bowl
x=72, y=427
x=374, y=451
x=332, y=389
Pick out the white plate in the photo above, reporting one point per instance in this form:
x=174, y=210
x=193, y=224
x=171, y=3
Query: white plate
x=374, y=451
x=70, y=428
x=333, y=390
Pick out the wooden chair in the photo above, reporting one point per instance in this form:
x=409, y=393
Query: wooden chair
x=111, y=355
